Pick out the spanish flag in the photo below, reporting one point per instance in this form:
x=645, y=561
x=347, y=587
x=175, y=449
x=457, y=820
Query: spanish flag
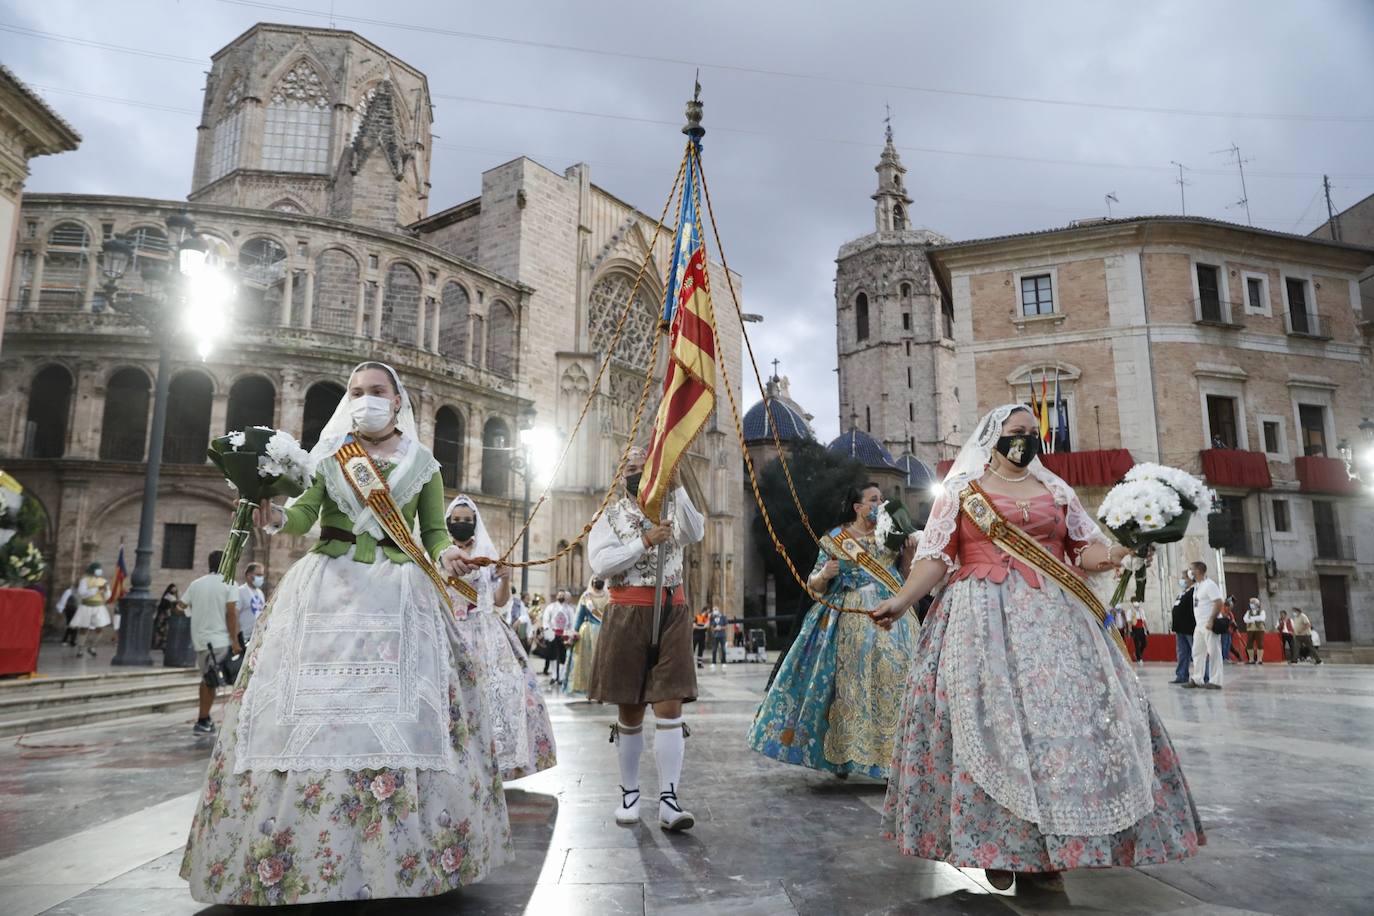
x=689, y=385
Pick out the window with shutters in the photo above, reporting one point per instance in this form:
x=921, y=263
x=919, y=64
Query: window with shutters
x=1209, y=293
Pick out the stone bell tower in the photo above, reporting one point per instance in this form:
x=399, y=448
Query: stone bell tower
x=894, y=335
x=314, y=121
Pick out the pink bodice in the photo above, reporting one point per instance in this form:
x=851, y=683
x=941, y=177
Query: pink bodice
x=980, y=558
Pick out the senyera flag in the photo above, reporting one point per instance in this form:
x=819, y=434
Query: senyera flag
x=689, y=386
x=121, y=580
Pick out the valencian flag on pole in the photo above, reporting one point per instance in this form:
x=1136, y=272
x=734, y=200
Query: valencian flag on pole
x=689, y=386
x=121, y=579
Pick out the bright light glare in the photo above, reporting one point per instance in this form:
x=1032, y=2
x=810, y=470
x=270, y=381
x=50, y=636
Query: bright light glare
x=1367, y=458
x=209, y=292
x=543, y=445
x=190, y=260
x=936, y=490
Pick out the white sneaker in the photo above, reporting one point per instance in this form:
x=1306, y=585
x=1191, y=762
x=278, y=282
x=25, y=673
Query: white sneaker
x=713, y=666
x=627, y=812
x=671, y=817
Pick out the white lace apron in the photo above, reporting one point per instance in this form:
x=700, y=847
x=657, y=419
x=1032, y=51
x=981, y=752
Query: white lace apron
x=351, y=668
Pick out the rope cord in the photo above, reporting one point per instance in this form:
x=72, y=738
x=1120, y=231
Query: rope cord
x=674, y=193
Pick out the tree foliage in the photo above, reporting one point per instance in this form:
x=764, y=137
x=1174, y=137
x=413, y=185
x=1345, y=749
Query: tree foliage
x=822, y=479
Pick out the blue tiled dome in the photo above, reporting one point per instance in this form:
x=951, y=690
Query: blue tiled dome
x=792, y=425
x=919, y=475
x=860, y=445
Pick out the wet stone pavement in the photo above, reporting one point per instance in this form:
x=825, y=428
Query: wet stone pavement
x=92, y=819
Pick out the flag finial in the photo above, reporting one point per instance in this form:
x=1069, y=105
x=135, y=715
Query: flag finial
x=693, y=127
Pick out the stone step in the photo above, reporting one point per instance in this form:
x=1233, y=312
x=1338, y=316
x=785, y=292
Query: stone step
x=32, y=722
x=102, y=691
x=79, y=683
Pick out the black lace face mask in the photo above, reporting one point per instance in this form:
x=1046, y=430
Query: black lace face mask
x=1020, y=449
x=462, y=531
x=632, y=483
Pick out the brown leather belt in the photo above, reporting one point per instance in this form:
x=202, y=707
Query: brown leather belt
x=348, y=537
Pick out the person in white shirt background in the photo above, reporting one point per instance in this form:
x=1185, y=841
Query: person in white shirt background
x=251, y=600
x=557, y=621
x=212, y=605
x=1207, y=605
x=1254, y=633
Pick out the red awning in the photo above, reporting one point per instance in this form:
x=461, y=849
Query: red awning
x=1228, y=467
x=1319, y=474
x=1099, y=468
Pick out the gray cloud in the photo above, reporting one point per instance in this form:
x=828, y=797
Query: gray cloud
x=786, y=195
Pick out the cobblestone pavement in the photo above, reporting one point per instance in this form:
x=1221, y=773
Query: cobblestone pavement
x=1281, y=763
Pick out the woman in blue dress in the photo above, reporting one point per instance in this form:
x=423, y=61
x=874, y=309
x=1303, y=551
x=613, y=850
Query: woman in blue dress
x=835, y=702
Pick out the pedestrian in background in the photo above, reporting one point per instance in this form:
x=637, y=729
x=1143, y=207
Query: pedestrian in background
x=1226, y=628
x=719, y=624
x=169, y=604
x=1254, y=633
x=1302, y=634
x=213, y=607
x=92, y=614
x=1290, y=654
x=1207, y=608
x=700, y=627
x=1183, y=623
x=1140, y=633
x=251, y=600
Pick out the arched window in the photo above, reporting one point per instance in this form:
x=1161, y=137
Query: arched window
x=262, y=275
x=503, y=339
x=401, y=304
x=453, y=323
x=336, y=292
x=50, y=401
x=252, y=402
x=906, y=290
x=898, y=214
x=861, y=316
x=496, y=452
x=188, y=419
x=448, y=445
x=608, y=299
x=296, y=134
x=64, y=267
x=124, y=424
x=224, y=154
x=320, y=400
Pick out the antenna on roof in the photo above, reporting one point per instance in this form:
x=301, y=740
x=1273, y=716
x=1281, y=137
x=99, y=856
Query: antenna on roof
x=1110, y=198
x=1182, y=202
x=1234, y=152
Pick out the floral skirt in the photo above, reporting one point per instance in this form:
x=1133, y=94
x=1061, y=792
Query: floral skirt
x=515, y=707
x=835, y=704
x=579, y=675
x=1062, y=717
x=302, y=836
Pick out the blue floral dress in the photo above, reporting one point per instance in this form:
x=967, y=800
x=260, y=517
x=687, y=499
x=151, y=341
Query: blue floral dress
x=835, y=704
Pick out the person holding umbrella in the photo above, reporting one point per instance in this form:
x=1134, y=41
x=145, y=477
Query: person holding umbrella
x=644, y=650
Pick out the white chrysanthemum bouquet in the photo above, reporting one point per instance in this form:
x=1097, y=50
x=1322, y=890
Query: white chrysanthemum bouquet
x=260, y=462
x=1152, y=505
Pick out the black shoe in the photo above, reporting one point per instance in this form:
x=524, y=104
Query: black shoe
x=204, y=727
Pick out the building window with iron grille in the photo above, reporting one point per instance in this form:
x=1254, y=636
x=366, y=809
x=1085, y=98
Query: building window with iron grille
x=178, y=546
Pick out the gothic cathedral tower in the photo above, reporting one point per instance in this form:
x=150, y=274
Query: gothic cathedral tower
x=894, y=333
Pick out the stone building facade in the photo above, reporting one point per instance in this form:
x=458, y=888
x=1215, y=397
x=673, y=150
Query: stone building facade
x=894, y=333
x=312, y=182
x=1232, y=352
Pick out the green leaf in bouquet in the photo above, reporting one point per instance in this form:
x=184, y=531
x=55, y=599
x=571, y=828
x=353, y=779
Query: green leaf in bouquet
x=255, y=438
x=285, y=485
x=902, y=525
x=241, y=469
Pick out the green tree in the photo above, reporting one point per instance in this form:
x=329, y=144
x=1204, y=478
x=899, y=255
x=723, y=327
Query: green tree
x=822, y=479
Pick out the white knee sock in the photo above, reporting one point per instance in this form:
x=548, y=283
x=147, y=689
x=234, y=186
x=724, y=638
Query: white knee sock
x=630, y=745
x=669, y=745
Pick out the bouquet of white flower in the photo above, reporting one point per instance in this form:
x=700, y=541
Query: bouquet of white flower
x=894, y=525
x=27, y=566
x=1152, y=505
x=260, y=462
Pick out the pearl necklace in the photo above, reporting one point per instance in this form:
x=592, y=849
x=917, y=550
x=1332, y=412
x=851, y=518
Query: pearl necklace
x=993, y=471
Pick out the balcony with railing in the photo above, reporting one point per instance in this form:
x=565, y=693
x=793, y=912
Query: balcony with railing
x=1228, y=467
x=1320, y=474
x=1237, y=542
x=1305, y=324
x=184, y=449
x=1329, y=544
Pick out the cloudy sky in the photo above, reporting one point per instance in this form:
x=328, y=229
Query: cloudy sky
x=1009, y=116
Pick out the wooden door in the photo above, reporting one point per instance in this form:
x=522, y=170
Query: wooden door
x=1242, y=586
x=1335, y=608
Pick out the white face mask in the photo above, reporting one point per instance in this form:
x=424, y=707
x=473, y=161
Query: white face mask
x=257, y=581
x=370, y=413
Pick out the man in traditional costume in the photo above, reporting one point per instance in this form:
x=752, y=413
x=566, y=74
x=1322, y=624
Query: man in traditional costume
x=628, y=669
x=93, y=614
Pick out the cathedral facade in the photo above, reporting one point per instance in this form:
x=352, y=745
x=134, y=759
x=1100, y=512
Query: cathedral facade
x=312, y=182
x=894, y=331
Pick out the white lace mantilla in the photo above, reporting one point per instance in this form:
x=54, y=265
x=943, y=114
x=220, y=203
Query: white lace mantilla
x=1046, y=716
x=350, y=671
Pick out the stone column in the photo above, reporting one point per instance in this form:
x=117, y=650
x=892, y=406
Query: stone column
x=88, y=397
x=308, y=310
x=287, y=285
x=377, y=311
x=473, y=453
x=219, y=410
x=17, y=281
x=291, y=403
x=92, y=277
x=362, y=308
x=421, y=314
x=434, y=325
x=40, y=256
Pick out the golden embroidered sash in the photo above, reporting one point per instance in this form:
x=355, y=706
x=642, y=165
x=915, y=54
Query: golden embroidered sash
x=370, y=487
x=976, y=504
x=847, y=547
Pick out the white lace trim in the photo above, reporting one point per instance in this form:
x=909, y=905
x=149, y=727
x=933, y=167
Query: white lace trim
x=413, y=469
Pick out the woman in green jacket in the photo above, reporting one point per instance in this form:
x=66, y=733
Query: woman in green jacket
x=355, y=759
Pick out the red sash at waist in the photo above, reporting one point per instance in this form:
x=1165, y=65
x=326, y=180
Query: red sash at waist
x=643, y=595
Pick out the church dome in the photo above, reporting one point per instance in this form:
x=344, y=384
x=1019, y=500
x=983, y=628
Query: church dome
x=793, y=423
x=919, y=475
x=862, y=447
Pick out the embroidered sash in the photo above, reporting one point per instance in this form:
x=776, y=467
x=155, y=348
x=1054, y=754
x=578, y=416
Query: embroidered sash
x=847, y=547
x=980, y=510
x=370, y=487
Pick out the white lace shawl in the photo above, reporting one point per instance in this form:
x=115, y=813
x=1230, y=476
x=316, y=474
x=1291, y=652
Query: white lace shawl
x=969, y=466
x=413, y=466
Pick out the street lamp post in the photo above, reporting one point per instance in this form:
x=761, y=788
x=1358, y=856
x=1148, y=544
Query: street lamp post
x=173, y=283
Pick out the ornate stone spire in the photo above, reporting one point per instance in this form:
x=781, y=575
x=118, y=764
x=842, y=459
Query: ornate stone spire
x=892, y=206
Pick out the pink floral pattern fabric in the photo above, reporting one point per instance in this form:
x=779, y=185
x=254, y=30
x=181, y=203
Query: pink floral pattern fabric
x=1026, y=742
x=284, y=837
